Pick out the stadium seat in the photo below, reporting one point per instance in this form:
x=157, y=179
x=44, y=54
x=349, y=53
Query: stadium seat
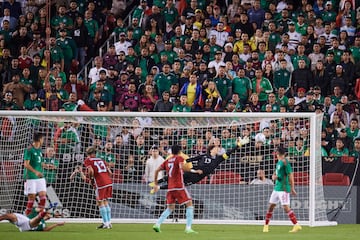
x=301, y=178
x=117, y=176
x=336, y=179
x=225, y=177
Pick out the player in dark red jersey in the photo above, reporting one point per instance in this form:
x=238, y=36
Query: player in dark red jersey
x=176, y=190
x=100, y=173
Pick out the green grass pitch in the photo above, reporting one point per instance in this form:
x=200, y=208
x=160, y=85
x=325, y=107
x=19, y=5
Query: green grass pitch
x=84, y=231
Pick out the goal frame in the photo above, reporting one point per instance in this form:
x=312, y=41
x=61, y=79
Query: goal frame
x=314, y=152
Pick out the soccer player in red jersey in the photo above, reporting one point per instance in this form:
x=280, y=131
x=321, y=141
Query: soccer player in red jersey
x=176, y=189
x=100, y=173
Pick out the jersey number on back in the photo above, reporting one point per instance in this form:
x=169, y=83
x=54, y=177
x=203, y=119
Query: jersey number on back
x=171, y=166
x=100, y=166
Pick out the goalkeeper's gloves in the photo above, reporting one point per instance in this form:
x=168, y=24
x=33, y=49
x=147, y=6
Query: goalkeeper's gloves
x=243, y=141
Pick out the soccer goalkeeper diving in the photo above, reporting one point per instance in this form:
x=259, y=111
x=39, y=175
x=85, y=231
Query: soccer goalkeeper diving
x=202, y=165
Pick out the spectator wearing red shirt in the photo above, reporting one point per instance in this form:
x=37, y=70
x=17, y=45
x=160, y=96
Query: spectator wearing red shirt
x=77, y=86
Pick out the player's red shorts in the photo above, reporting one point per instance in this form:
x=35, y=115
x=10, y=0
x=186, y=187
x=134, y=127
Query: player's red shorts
x=180, y=196
x=103, y=193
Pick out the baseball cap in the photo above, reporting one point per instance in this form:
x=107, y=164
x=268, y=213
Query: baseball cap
x=229, y=45
x=33, y=91
x=317, y=88
x=101, y=104
x=301, y=90
x=218, y=52
x=102, y=71
x=122, y=34
x=328, y=3
x=291, y=23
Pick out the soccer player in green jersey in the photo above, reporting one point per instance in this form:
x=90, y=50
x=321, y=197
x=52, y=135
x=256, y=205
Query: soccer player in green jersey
x=33, y=173
x=284, y=185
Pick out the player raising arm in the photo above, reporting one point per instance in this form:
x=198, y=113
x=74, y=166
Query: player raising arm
x=34, y=178
x=284, y=185
x=35, y=223
x=100, y=173
x=203, y=165
x=177, y=191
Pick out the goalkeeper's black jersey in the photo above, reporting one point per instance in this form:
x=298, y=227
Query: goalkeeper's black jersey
x=205, y=163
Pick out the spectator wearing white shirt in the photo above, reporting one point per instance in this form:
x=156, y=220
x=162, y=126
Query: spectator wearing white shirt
x=122, y=44
x=152, y=164
x=221, y=35
x=261, y=179
x=94, y=73
x=294, y=37
x=217, y=62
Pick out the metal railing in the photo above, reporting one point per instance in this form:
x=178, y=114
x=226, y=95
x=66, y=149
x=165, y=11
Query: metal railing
x=83, y=73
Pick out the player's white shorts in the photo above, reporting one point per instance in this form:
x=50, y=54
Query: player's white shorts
x=33, y=186
x=23, y=222
x=280, y=196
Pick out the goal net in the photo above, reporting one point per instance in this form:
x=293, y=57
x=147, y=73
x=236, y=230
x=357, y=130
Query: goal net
x=231, y=194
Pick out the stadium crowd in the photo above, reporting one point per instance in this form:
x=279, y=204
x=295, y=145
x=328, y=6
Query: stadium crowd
x=198, y=56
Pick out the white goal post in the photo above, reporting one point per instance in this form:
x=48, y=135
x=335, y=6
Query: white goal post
x=126, y=139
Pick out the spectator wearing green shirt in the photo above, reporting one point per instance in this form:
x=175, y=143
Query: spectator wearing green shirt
x=261, y=86
x=282, y=77
x=61, y=20
x=165, y=79
x=328, y=15
x=170, y=13
x=61, y=93
x=56, y=53
x=339, y=150
x=50, y=165
x=32, y=103
x=67, y=138
x=182, y=105
x=107, y=155
x=355, y=49
x=141, y=12
x=93, y=31
x=68, y=47
x=356, y=151
x=223, y=84
x=242, y=86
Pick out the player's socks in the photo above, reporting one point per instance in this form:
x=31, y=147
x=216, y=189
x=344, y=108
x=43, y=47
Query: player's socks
x=189, y=216
x=103, y=213
x=108, y=213
x=42, y=214
x=163, y=216
x=42, y=202
x=266, y=228
x=29, y=206
x=292, y=217
x=268, y=217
